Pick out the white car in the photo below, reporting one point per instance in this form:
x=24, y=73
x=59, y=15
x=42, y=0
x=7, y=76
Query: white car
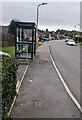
x=71, y=42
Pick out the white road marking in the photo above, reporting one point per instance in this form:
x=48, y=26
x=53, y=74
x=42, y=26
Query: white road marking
x=66, y=87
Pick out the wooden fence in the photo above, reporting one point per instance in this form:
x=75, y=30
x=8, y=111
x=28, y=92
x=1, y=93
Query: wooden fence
x=6, y=39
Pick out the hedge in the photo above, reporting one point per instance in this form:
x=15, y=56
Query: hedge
x=9, y=70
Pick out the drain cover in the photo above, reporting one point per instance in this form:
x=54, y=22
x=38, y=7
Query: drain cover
x=37, y=103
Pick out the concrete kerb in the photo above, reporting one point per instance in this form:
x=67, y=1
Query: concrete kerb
x=19, y=83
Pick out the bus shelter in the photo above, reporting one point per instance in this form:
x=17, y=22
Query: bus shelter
x=21, y=42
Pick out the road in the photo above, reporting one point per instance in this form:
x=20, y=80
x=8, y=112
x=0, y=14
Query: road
x=67, y=59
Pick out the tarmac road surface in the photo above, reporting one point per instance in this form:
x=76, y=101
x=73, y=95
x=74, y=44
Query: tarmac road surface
x=67, y=59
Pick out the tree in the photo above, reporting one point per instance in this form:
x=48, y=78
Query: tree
x=11, y=28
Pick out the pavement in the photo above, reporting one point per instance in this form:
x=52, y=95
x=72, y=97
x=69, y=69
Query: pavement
x=42, y=94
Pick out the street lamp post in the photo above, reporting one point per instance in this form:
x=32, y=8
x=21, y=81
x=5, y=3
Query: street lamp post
x=38, y=11
x=37, y=19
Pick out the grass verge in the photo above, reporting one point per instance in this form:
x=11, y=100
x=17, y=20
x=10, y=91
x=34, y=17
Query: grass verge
x=79, y=43
x=10, y=50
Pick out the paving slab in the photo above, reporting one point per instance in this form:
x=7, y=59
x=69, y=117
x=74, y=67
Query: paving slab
x=20, y=71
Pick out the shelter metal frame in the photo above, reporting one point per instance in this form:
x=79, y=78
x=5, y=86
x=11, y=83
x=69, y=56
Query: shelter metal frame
x=19, y=39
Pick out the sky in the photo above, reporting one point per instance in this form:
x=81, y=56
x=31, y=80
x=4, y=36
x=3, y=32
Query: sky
x=53, y=16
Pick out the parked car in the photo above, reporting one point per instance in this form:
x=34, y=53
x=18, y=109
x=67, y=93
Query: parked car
x=71, y=42
x=42, y=38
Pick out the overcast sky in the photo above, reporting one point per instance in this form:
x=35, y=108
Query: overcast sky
x=54, y=15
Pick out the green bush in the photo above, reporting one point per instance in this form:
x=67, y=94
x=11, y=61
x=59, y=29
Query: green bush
x=9, y=70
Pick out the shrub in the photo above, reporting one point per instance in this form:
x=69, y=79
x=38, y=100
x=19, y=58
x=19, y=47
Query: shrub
x=9, y=70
